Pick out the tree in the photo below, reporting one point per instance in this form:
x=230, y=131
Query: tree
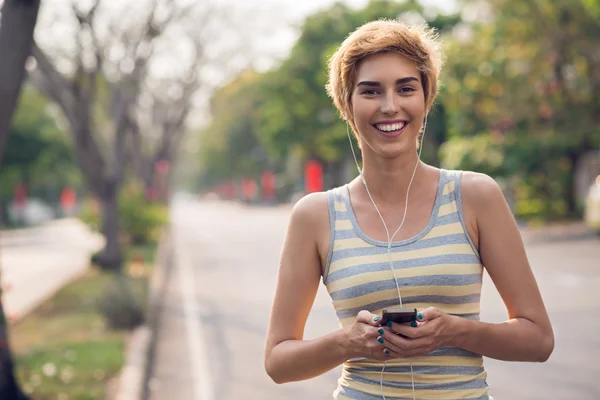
x=97, y=98
x=527, y=77
x=16, y=35
x=37, y=152
x=230, y=148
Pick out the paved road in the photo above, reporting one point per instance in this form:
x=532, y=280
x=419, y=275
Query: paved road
x=224, y=291
x=35, y=262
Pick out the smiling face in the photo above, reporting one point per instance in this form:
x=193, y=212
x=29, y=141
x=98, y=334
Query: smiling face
x=388, y=105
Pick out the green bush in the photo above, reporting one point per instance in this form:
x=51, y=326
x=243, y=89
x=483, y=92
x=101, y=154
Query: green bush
x=122, y=302
x=90, y=213
x=141, y=220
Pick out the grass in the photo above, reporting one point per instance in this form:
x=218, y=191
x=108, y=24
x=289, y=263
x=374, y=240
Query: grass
x=66, y=350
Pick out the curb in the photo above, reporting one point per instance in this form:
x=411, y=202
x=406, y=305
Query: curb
x=140, y=349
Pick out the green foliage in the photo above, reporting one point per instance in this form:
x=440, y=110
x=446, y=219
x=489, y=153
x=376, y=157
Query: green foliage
x=37, y=151
x=479, y=153
x=89, y=213
x=122, y=303
x=528, y=81
x=64, y=349
x=141, y=220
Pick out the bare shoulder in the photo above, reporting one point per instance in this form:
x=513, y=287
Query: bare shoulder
x=311, y=209
x=480, y=194
x=313, y=206
x=310, y=218
x=480, y=186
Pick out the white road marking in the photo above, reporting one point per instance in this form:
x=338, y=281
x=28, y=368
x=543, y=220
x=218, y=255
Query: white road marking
x=202, y=382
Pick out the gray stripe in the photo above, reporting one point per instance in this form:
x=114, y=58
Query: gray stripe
x=378, y=305
x=347, y=215
x=351, y=233
x=332, y=218
x=345, y=234
x=453, y=352
x=356, y=395
x=474, y=384
x=428, y=370
x=438, y=280
x=457, y=238
x=447, y=219
x=415, y=262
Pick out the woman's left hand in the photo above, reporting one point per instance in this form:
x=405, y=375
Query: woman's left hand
x=434, y=329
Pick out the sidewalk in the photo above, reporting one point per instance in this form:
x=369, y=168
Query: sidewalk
x=36, y=262
x=574, y=230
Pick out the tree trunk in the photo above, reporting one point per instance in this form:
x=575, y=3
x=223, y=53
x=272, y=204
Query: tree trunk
x=16, y=36
x=9, y=388
x=111, y=257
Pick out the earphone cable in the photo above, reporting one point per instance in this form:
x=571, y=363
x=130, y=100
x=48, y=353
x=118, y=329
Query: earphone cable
x=389, y=245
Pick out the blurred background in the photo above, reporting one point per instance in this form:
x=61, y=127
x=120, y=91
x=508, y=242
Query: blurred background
x=140, y=140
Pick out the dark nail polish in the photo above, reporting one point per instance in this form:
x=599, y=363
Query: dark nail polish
x=381, y=331
x=413, y=324
x=377, y=318
x=420, y=316
x=380, y=340
x=389, y=324
x=386, y=352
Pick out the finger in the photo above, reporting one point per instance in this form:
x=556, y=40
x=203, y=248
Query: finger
x=396, y=343
x=367, y=317
x=388, y=353
x=428, y=314
x=411, y=331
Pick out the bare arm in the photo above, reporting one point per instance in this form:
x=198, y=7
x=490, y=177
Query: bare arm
x=527, y=335
x=287, y=356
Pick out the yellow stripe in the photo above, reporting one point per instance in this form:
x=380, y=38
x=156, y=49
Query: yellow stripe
x=423, y=361
x=339, y=206
x=448, y=187
x=443, y=230
x=423, y=378
x=343, y=224
x=343, y=244
x=406, y=292
x=419, y=393
x=461, y=248
x=438, y=269
x=447, y=209
x=466, y=308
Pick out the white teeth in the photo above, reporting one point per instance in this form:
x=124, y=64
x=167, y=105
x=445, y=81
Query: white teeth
x=390, y=127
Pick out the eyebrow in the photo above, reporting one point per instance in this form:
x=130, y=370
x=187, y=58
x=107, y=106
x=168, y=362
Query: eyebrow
x=398, y=82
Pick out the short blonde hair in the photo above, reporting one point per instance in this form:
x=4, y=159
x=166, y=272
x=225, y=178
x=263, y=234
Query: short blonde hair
x=418, y=43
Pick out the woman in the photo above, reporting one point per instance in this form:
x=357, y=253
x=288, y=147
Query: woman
x=383, y=79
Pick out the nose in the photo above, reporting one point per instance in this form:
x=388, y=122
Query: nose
x=389, y=103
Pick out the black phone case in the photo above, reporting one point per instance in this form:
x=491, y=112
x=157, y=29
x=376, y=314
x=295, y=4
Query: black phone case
x=399, y=315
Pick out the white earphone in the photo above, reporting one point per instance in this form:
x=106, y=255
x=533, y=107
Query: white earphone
x=390, y=238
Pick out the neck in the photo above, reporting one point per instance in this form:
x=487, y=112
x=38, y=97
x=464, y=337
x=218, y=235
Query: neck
x=389, y=179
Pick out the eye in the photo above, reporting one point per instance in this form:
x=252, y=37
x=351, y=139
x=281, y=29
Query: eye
x=370, y=92
x=406, y=89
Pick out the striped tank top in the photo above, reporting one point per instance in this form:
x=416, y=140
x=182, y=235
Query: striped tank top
x=439, y=267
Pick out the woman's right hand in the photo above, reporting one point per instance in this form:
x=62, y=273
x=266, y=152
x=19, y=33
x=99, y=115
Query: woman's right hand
x=365, y=338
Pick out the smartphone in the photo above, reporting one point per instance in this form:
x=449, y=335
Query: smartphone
x=399, y=315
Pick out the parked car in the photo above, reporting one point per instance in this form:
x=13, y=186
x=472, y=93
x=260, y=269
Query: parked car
x=34, y=212
x=592, y=206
